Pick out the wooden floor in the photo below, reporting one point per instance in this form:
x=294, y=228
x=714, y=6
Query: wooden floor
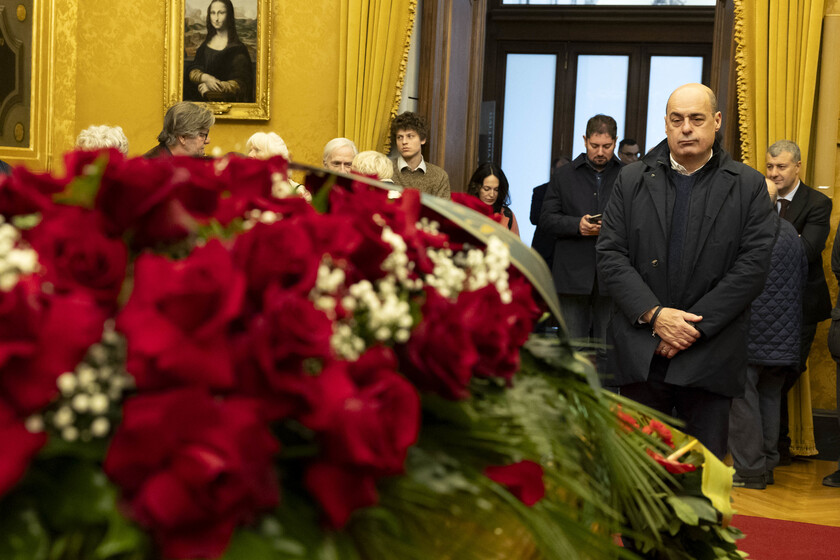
x=798, y=495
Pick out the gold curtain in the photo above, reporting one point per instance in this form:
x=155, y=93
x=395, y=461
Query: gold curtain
x=777, y=53
x=375, y=36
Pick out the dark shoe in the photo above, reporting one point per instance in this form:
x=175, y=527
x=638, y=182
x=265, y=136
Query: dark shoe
x=785, y=458
x=752, y=482
x=832, y=480
x=768, y=478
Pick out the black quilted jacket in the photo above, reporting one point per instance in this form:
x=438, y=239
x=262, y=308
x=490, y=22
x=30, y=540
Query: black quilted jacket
x=776, y=314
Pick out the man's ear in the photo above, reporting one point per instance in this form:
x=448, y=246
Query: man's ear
x=423, y=141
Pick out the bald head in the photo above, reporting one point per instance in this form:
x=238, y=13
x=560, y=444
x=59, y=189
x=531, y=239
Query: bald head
x=691, y=122
x=694, y=90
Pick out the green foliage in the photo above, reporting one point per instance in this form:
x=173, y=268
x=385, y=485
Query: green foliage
x=82, y=190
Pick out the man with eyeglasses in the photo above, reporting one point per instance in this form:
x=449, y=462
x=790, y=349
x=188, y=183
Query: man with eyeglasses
x=186, y=130
x=628, y=151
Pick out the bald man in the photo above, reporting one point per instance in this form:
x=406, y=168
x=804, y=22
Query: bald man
x=684, y=248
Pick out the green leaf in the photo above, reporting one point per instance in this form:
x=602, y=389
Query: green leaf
x=83, y=189
x=73, y=493
x=122, y=537
x=248, y=545
x=22, y=535
x=683, y=510
x=702, y=507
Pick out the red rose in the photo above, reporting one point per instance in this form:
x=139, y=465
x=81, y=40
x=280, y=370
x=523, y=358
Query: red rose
x=474, y=203
x=440, y=355
x=271, y=354
x=372, y=422
x=340, y=491
x=192, y=468
x=498, y=330
x=42, y=337
x=176, y=321
x=140, y=195
x=25, y=192
x=281, y=253
x=523, y=479
x=75, y=253
x=19, y=446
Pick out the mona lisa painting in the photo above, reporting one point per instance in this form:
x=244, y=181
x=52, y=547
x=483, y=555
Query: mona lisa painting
x=219, y=55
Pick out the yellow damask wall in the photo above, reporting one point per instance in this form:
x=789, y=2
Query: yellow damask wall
x=109, y=63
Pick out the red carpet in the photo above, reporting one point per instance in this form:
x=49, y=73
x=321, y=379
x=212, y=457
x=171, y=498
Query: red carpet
x=771, y=539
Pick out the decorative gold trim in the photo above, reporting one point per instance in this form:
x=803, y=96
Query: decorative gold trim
x=174, y=76
x=745, y=108
x=395, y=106
x=40, y=90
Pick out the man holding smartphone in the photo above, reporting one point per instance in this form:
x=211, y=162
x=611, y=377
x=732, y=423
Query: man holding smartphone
x=571, y=214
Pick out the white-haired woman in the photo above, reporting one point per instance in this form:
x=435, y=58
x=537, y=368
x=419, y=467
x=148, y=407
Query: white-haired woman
x=372, y=163
x=102, y=137
x=266, y=145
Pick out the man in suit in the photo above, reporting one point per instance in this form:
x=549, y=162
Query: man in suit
x=684, y=248
x=542, y=242
x=809, y=211
x=577, y=192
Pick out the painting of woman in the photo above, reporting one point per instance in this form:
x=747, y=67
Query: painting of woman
x=221, y=70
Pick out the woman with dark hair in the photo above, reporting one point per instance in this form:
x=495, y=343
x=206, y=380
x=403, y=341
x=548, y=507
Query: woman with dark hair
x=221, y=70
x=490, y=185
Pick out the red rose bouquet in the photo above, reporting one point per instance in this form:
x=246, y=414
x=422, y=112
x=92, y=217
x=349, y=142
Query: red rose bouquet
x=197, y=363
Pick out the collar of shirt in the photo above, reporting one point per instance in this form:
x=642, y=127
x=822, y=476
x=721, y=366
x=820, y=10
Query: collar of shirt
x=402, y=165
x=682, y=170
x=790, y=195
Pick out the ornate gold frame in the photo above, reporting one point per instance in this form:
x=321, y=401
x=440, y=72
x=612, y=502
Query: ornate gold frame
x=39, y=90
x=174, y=75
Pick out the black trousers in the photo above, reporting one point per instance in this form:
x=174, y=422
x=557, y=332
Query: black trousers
x=706, y=414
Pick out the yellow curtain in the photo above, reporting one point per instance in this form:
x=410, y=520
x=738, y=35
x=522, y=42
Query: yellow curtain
x=777, y=53
x=375, y=36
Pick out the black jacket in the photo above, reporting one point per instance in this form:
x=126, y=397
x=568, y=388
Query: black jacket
x=810, y=214
x=727, y=268
x=573, y=193
x=776, y=314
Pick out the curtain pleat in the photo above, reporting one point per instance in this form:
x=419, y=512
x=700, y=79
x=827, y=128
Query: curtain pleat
x=776, y=55
x=375, y=37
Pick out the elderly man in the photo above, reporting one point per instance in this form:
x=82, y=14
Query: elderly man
x=684, y=248
x=339, y=154
x=186, y=130
x=809, y=211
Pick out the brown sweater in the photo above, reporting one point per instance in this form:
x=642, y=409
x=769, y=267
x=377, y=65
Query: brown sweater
x=434, y=181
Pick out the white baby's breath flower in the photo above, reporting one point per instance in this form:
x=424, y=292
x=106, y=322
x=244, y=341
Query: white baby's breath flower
x=98, y=403
x=70, y=433
x=34, y=424
x=66, y=383
x=80, y=403
x=100, y=427
x=63, y=417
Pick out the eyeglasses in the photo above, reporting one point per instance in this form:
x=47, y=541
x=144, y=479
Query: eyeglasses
x=203, y=135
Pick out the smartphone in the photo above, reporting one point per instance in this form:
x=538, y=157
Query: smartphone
x=596, y=219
